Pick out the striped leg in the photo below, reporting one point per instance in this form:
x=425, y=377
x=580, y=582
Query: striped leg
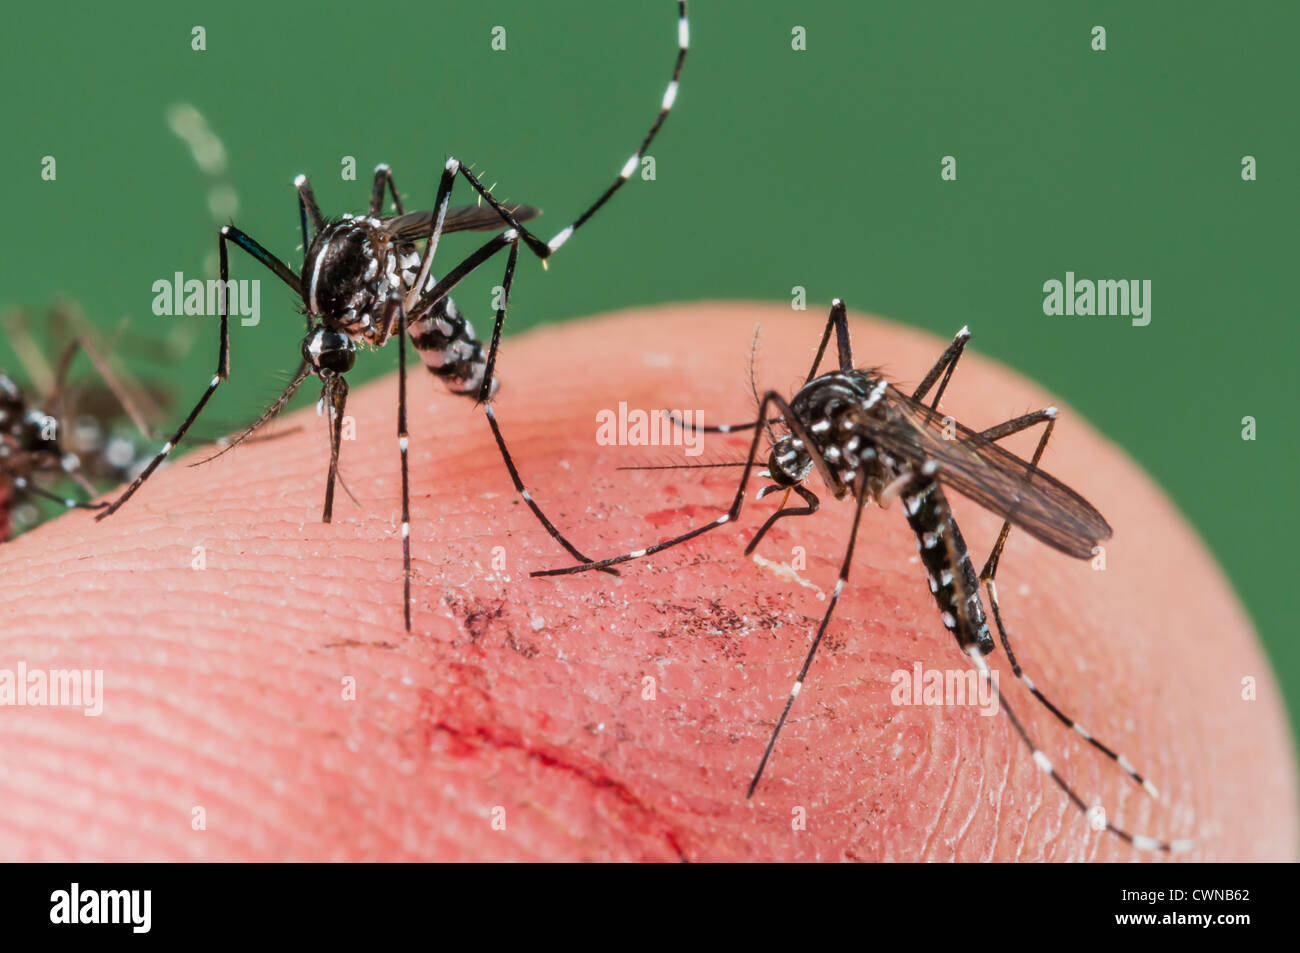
x=446, y=342
x=1097, y=817
x=861, y=498
x=670, y=96
x=1048, y=416
x=23, y=485
x=528, y=497
x=281, y=271
x=544, y=250
x=403, y=442
x=717, y=428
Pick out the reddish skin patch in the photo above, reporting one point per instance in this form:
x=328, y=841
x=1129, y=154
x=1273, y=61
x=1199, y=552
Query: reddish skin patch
x=223, y=686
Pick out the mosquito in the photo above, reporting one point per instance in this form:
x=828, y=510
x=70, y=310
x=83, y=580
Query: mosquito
x=869, y=441
x=364, y=280
x=57, y=430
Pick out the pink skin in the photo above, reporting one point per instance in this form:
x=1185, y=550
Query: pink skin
x=524, y=699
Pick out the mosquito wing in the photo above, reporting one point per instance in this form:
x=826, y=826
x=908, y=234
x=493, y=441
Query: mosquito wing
x=476, y=218
x=996, y=479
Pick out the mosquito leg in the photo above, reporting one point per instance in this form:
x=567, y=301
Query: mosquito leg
x=403, y=442
x=23, y=485
x=488, y=387
x=543, y=250
x=281, y=271
x=307, y=207
x=716, y=428
x=434, y=296
x=771, y=397
x=860, y=497
x=1016, y=425
x=808, y=497
x=30, y=357
x=838, y=320
x=384, y=176
x=128, y=397
x=987, y=574
x=1044, y=764
x=528, y=498
x=946, y=364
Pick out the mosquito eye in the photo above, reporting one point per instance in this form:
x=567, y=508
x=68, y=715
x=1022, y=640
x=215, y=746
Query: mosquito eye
x=329, y=351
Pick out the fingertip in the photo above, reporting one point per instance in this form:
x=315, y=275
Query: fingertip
x=624, y=718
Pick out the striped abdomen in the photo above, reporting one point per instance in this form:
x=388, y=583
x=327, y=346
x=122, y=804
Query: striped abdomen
x=450, y=349
x=947, y=562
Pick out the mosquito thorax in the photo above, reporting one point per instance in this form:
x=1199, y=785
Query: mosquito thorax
x=347, y=271
x=830, y=409
x=332, y=352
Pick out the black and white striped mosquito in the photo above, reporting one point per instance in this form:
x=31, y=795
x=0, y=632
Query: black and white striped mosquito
x=869, y=441
x=363, y=279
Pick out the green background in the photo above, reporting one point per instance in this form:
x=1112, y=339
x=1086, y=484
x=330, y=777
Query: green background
x=778, y=168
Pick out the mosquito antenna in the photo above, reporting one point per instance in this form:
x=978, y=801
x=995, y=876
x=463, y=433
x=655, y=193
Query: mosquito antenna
x=753, y=380
x=39, y=372
x=104, y=367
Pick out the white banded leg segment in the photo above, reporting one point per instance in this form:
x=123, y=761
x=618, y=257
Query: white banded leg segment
x=665, y=106
x=1125, y=765
x=166, y=449
x=528, y=497
x=821, y=631
x=563, y=236
x=1091, y=816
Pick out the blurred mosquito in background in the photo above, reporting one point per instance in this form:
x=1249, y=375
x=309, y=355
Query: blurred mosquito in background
x=60, y=430
x=869, y=441
x=364, y=280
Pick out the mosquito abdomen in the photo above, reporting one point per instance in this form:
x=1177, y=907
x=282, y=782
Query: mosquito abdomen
x=947, y=563
x=450, y=349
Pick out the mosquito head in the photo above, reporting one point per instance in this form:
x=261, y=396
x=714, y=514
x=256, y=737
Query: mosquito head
x=328, y=352
x=789, y=463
